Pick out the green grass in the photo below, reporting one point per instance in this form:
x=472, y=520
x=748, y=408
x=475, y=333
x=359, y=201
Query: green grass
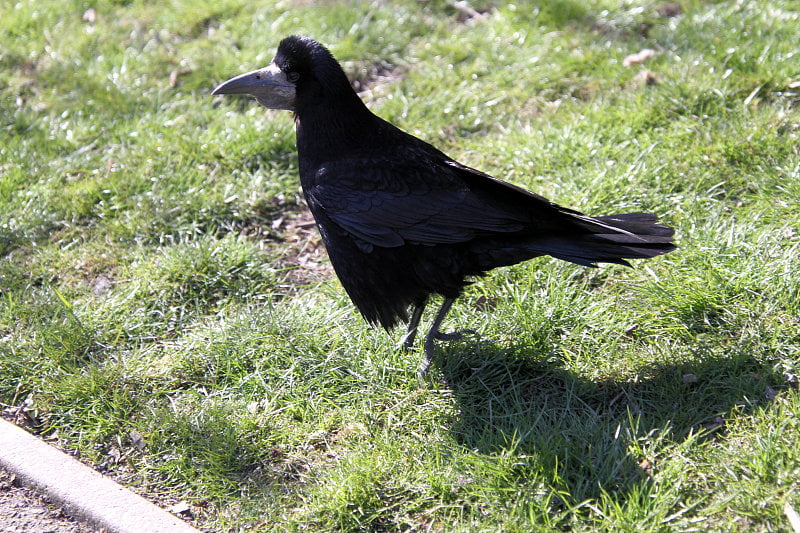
x=154, y=319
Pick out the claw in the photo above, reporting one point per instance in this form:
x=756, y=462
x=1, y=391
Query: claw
x=454, y=335
x=434, y=334
x=413, y=325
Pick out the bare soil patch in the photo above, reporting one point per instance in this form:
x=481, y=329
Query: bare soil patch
x=24, y=511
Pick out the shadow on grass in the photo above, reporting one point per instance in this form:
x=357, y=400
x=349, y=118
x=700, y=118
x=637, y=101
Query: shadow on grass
x=594, y=437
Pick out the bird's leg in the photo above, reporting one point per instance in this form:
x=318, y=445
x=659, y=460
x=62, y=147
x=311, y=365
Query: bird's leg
x=434, y=334
x=413, y=325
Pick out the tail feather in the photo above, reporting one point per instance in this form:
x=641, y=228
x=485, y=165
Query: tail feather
x=638, y=223
x=612, y=239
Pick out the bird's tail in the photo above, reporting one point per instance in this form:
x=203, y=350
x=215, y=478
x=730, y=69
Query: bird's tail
x=613, y=239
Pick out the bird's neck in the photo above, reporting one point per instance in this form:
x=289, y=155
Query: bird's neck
x=328, y=131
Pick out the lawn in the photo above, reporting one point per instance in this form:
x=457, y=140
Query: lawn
x=167, y=312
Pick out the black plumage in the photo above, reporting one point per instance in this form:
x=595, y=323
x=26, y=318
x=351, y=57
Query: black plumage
x=400, y=219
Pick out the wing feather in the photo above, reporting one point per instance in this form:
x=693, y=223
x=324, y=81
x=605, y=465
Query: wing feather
x=376, y=204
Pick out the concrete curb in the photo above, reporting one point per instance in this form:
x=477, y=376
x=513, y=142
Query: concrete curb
x=83, y=493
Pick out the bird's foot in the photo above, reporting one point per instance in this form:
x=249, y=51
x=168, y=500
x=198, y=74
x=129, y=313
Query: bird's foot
x=453, y=335
x=430, y=350
x=407, y=340
x=427, y=358
x=411, y=333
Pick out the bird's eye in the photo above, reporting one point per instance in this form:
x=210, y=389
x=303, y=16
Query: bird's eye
x=293, y=76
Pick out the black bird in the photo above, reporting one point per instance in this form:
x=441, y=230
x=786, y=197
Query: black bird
x=400, y=219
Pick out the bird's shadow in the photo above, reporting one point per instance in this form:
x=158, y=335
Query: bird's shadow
x=590, y=437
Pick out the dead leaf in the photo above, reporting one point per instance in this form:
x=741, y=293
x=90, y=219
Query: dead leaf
x=483, y=303
x=669, y=10
x=466, y=13
x=137, y=440
x=101, y=284
x=180, y=508
x=645, y=77
x=638, y=57
x=175, y=74
x=114, y=455
x=90, y=15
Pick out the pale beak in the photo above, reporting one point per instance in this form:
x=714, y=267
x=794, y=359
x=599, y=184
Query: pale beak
x=269, y=86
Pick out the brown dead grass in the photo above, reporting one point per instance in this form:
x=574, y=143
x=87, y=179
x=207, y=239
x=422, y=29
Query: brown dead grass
x=302, y=256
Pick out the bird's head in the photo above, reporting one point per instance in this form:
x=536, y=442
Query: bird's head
x=302, y=73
